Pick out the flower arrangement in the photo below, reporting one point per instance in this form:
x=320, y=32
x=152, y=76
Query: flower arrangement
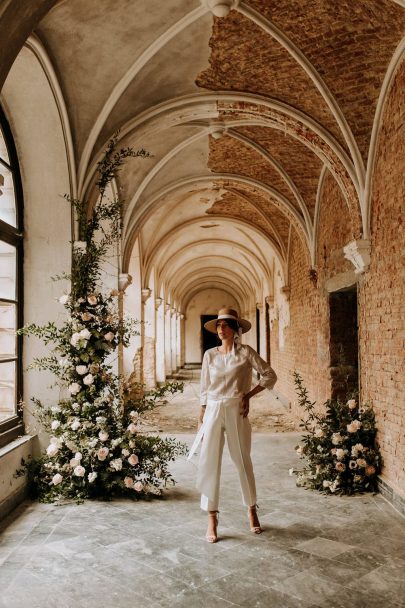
x=99, y=445
x=339, y=446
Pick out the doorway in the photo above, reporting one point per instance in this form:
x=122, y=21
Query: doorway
x=343, y=346
x=208, y=339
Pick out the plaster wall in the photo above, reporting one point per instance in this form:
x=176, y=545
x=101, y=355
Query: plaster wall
x=206, y=302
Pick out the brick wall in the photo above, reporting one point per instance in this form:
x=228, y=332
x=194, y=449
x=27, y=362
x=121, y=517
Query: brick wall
x=307, y=337
x=382, y=295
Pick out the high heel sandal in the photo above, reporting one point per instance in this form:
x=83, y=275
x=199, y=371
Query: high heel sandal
x=252, y=511
x=212, y=538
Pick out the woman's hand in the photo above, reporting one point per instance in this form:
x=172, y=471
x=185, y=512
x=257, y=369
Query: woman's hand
x=245, y=405
x=201, y=417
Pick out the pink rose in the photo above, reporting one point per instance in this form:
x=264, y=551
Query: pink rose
x=79, y=471
x=129, y=482
x=132, y=428
x=102, y=453
x=352, y=404
x=103, y=435
x=92, y=299
x=340, y=466
x=133, y=459
x=57, y=479
x=138, y=486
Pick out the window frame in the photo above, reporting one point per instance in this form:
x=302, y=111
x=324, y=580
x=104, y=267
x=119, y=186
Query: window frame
x=13, y=427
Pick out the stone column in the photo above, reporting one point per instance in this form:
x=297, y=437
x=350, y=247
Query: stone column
x=160, y=340
x=173, y=322
x=168, y=334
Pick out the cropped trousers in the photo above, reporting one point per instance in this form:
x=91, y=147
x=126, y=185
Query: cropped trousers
x=223, y=417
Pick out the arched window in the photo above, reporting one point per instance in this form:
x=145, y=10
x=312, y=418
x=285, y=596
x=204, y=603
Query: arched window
x=11, y=306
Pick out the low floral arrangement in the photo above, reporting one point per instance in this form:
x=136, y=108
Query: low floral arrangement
x=99, y=444
x=339, y=447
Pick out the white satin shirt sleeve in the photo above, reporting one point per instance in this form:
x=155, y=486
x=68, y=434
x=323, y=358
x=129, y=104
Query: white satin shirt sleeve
x=205, y=380
x=267, y=373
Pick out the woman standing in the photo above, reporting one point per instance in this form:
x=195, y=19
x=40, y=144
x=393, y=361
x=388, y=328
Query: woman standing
x=226, y=379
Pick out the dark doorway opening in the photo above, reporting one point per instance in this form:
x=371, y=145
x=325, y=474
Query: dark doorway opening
x=208, y=340
x=344, y=354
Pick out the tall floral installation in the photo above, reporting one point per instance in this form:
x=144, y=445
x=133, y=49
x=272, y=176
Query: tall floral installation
x=99, y=443
x=339, y=448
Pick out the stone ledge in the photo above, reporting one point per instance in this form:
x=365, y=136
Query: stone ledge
x=11, y=502
x=13, y=445
x=391, y=496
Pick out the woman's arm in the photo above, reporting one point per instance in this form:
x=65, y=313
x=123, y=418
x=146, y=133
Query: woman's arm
x=205, y=381
x=267, y=380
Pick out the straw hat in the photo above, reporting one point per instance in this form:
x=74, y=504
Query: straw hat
x=227, y=313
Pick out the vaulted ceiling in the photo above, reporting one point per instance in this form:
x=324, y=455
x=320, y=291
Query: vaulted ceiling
x=243, y=114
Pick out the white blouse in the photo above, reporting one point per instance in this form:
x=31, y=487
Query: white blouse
x=230, y=375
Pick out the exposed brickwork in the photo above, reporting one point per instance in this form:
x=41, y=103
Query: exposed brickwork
x=382, y=295
x=245, y=58
x=349, y=43
x=307, y=338
x=301, y=164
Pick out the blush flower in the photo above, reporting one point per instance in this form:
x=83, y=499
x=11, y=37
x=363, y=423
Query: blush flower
x=103, y=435
x=336, y=438
x=55, y=425
x=75, y=426
x=57, y=479
x=79, y=471
x=81, y=369
x=354, y=426
x=129, y=482
x=52, y=449
x=340, y=466
x=352, y=404
x=74, y=462
x=116, y=464
x=89, y=379
x=133, y=459
x=86, y=316
x=92, y=299
x=138, y=486
x=92, y=476
x=109, y=336
x=361, y=462
x=132, y=428
x=369, y=470
x=319, y=432
x=102, y=453
x=74, y=388
x=85, y=334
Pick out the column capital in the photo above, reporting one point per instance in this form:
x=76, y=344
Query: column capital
x=145, y=293
x=269, y=300
x=358, y=253
x=286, y=290
x=124, y=279
x=158, y=303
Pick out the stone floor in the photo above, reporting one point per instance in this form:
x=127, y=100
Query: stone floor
x=315, y=550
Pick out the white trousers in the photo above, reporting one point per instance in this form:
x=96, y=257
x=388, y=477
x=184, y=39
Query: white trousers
x=220, y=418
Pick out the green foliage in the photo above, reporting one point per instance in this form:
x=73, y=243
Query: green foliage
x=100, y=445
x=339, y=446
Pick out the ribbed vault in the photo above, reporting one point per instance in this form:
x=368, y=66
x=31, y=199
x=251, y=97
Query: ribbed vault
x=243, y=114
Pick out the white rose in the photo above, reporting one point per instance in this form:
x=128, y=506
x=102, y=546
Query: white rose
x=352, y=403
x=336, y=438
x=81, y=369
x=132, y=428
x=74, y=339
x=138, y=486
x=78, y=456
x=103, y=435
x=326, y=483
x=133, y=459
x=55, y=425
x=102, y=453
x=74, y=462
x=156, y=459
x=63, y=362
x=74, y=388
x=79, y=471
x=64, y=299
x=57, y=479
x=340, y=453
x=92, y=476
x=129, y=482
x=125, y=452
x=100, y=419
x=52, y=449
x=116, y=464
x=76, y=406
x=109, y=336
x=85, y=334
x=134, y=415
x=319, y=433
x=92, y=299
x=75, y=425
x=56, y=441
x=89, y=379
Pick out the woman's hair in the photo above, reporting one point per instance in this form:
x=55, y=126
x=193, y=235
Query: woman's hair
x=233, y=324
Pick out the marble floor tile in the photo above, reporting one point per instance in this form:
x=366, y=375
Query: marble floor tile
x=315, y=552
